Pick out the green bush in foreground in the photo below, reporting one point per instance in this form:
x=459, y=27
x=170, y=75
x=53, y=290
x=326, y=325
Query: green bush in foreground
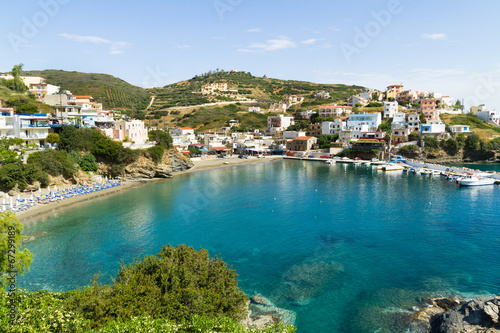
x=177, y=284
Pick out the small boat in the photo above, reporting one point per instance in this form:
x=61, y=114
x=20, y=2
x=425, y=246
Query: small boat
x=473, y=180
x=367, y=163
x=330, y=162
x=425, y=172
x=393, y=167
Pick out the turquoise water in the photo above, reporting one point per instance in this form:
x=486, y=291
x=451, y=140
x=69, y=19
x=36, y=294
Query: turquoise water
x=348, y=248
x=480, y=166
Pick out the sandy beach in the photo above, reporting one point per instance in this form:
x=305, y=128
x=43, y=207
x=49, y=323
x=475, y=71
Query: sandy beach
x=43, y=210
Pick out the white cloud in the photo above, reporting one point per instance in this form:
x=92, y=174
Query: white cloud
x=114, y=47
x=181, y=46
x=271, y=45
x=254, y=30
x=309, y=41
x=434, y=36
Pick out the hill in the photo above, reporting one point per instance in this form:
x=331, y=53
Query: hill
x=183, y=104
x=243, y=85
x=483, y=129
x=113, y=92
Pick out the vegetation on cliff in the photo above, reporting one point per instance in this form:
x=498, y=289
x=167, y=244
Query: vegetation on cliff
x=179, y=290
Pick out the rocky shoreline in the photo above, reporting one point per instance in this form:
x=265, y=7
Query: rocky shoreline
x=455, y=315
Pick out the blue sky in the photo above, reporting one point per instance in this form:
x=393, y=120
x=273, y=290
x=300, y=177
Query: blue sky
x=449, y=46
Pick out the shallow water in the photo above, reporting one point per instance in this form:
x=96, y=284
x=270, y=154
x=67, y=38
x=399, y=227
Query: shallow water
x=348, y=248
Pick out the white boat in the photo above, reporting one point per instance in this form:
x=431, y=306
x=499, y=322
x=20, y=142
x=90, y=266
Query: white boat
x=367, y=163
x=393, y=167
x=473, y=180
x=330, y=161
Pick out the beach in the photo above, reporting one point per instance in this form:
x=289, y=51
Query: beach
x=42, y=210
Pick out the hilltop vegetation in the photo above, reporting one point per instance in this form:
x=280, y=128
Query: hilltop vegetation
x=248, y=86
x=113, y=92
x=483, y=129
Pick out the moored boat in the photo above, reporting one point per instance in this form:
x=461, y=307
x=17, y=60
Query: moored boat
x=474, y=180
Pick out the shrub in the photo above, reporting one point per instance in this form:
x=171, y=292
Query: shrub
x=156, y=153
x=27, y=108
x=88, y=163
x=177, y=284
x=431, y=143
x=409, y=150
x=54, y=163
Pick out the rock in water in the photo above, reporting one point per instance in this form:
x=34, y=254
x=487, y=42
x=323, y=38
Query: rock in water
x=263, y=312
x=303, y=282
x=478, y=315
x=452, y=315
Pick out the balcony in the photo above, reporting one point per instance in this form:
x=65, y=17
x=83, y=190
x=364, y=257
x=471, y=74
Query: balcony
x=33, y=136
x=45, y=125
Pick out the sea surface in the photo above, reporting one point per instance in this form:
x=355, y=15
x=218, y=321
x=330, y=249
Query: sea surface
x=347, y=248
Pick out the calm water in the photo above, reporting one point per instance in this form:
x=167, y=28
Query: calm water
x=347, y=248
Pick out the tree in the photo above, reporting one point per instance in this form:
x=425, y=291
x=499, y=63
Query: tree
x=178, y=283
x=12, y=259
x=473, y=142
x=325, y=140
x=161, y=137
x=18, y=85
x=414, y=136
x=52, y=138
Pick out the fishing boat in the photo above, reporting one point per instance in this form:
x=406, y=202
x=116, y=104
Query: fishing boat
x=474, y=180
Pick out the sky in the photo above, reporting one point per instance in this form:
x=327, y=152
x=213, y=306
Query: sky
x=450, y=47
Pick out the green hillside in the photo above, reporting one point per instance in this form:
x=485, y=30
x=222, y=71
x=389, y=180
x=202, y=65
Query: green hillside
x=187, y=93
x=113, y=92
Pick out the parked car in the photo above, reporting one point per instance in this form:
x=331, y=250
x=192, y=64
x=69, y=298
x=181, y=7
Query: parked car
x=374, y=159
x=324, y=156
x=311, y=156
x=220, y=156
x=357, y=158
x=242, y=156
x=345, y=158
x=260, y=156
x=336, y=158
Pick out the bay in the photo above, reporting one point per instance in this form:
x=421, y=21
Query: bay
x=348, y=248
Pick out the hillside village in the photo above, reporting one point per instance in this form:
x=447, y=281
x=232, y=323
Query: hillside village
x=366, y=121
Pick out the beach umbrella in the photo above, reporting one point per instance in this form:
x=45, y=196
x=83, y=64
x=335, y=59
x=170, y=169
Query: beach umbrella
x=55, y=188
x=19, y=197
x=11, y=203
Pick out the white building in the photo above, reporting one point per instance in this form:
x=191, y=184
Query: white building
x=291, y=135
x=485, y=115
x=278, y=124
x=399, y=120
x=390, y=108
x=413, y=122
x=254, y=109
x=181, y=131
x=333, y=127
x=62, y=98
x=460, y=129
x=372, y=120
x=334, y=110
x=357, y=100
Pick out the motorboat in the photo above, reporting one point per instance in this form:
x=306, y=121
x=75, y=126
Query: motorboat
x=393, y=167
x=474, y=180
x=330, y=161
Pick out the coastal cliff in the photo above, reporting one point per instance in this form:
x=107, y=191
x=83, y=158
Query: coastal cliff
x=145, y=168
x=454, y=315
